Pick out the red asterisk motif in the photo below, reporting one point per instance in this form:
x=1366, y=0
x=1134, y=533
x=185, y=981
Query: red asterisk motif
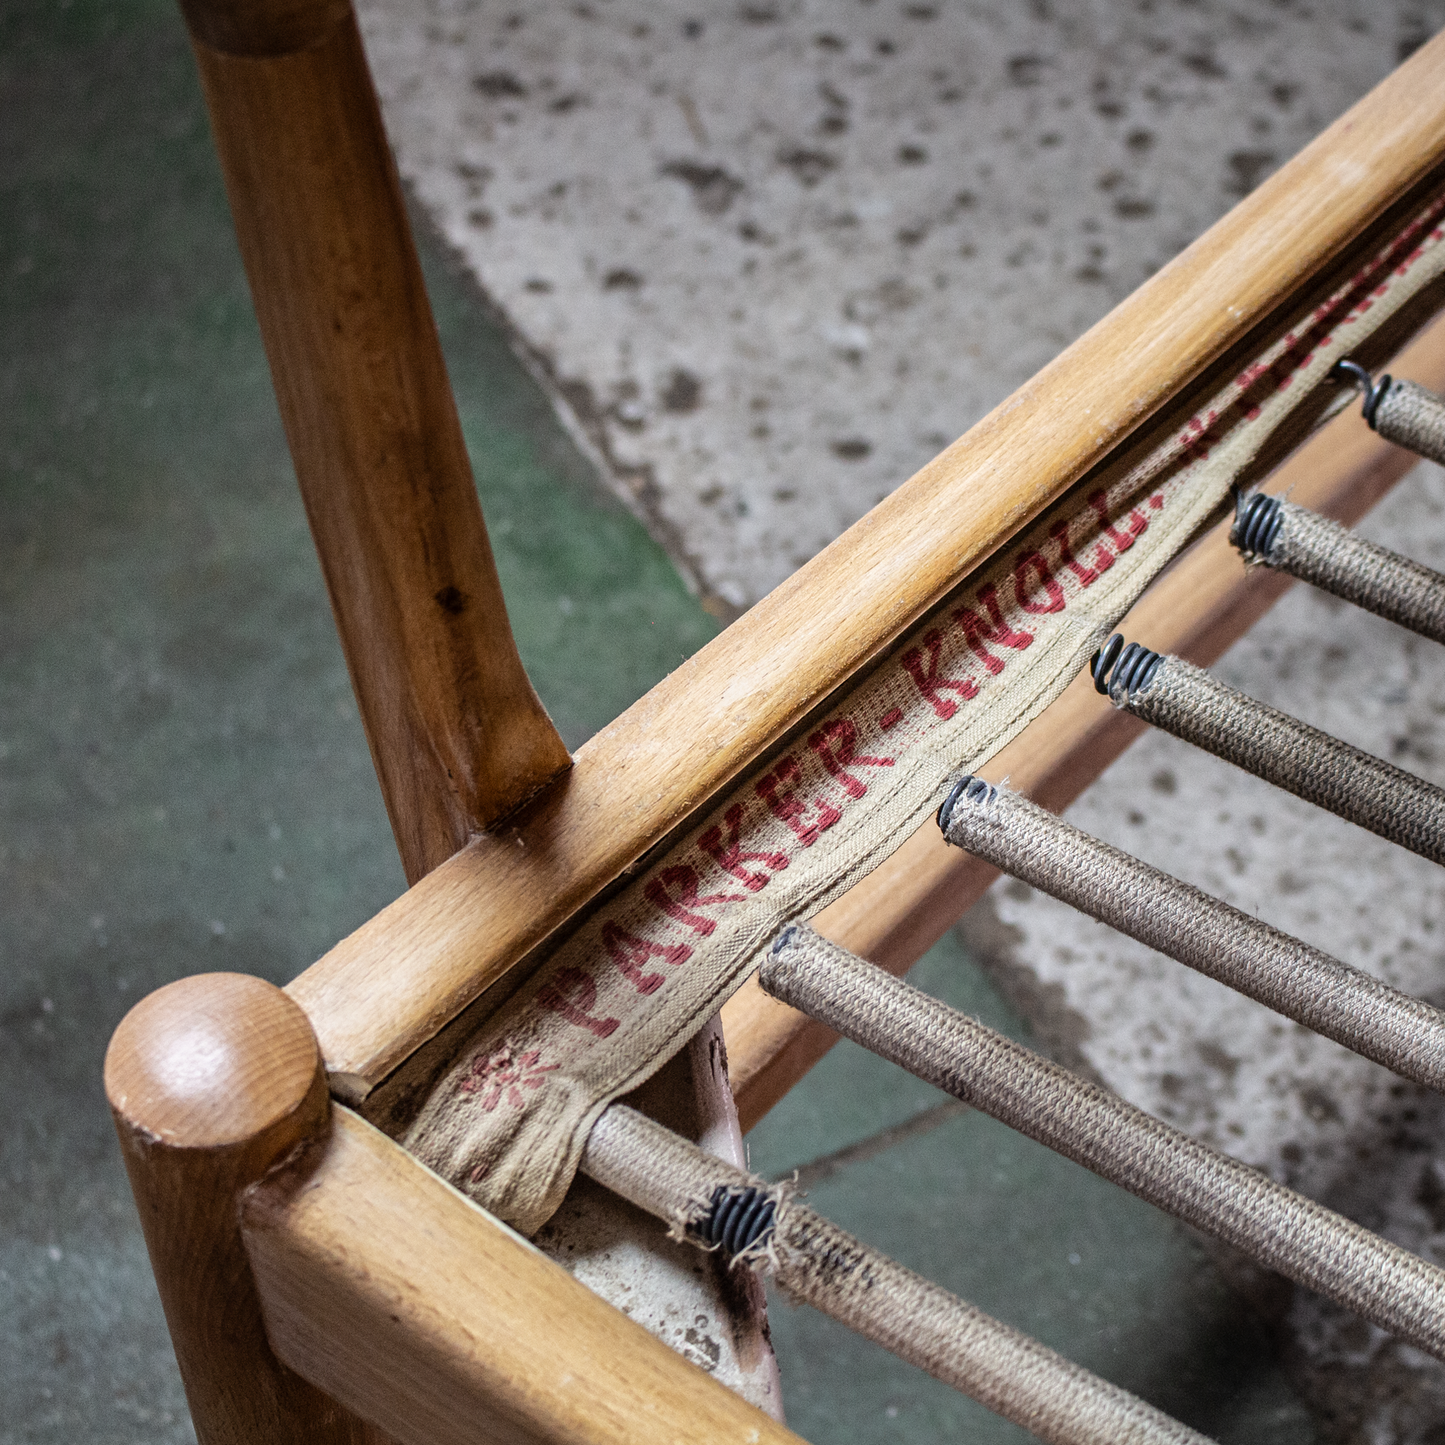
x=502, y=1073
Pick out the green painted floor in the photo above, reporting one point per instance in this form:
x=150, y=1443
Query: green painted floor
x=184, y=785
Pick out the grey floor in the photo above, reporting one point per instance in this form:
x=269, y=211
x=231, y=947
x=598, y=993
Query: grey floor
x=184, y=786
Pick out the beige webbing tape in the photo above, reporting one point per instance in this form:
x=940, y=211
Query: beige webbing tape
x=1320, y=551
x=817, y=1263
x=507, y=1122
x=1410, y=416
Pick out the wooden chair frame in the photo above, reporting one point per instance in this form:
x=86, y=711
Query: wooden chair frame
x=321, y=1284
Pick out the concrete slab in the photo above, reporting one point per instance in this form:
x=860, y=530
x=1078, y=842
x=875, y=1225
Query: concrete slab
x=772, y=256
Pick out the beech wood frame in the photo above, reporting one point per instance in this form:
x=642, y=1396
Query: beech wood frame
x=319, y=1283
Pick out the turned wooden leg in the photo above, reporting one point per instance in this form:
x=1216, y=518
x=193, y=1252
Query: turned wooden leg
x=458, y=736
x=212, y=1082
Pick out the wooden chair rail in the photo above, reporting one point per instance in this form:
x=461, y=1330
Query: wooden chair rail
x=393, y=984
x=414, y=1309
x=323, y=1288
x=213, y=1081
x=1207, y=601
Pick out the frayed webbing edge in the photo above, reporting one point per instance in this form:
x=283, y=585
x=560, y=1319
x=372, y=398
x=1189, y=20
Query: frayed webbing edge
x=762, y=1255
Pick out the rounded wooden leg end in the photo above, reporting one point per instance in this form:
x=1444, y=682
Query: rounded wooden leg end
x=218, y=1061
x=213, y=1081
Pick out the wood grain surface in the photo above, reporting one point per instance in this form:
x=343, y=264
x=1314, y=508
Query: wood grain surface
x=457, y=733
x=263, y=27
x=390, y=986
x=1209, y=600
x=211, y=1082
x=396, y=1295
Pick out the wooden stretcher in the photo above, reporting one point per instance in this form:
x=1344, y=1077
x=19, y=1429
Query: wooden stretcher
x=319, y=1283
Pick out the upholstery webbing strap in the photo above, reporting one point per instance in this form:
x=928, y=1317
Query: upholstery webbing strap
x=505, y=1121
x=816, y=1262
x=1413, y=418
x=1192, y=704
x=1241, y=1206
x=1205, y=933
x=1321, y=552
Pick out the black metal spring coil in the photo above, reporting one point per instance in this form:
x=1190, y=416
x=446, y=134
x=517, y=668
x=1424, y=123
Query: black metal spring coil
x=974, y=789
x=1257, y=520
x=1372, y=391
x=736, y=1220
x=1133, y=667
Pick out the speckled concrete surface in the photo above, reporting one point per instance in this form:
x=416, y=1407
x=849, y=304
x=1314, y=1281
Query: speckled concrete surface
x=774, y=255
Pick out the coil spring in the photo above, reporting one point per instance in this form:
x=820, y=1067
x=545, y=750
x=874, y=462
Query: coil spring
x=1257, y=520
x=736, y=1220
x=783, y=939
x=974, y=789
x=1372, y=391
x=1133, y=667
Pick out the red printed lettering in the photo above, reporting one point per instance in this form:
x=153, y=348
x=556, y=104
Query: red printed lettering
x=630, y=953
x=976, y=632
x=572, y=994
x=730, y=858
x=502, y=1074
x=836, y=746
x=1086, y=575
x=1034, y=561
x=1251, y=374
x=1192, y=437
x=784, y=803
x=679, y=905
x=1136, y=523
x=930, y=681
x=1287, y=375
